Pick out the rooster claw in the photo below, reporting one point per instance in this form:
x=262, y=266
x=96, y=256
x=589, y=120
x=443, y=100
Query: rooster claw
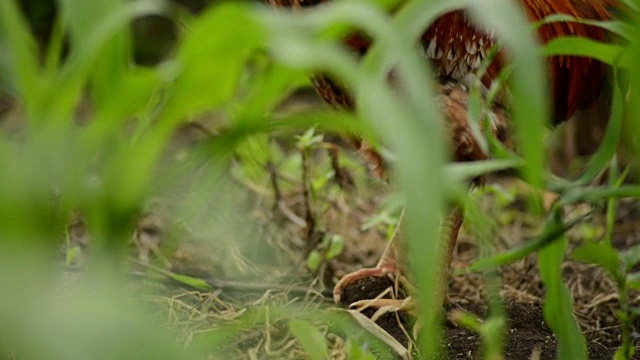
x=385, y=306
x=360, y=281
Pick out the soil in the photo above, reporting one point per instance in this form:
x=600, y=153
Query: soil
x=370, y=288
x=527, y=335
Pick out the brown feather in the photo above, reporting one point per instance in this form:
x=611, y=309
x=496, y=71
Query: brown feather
x=458, y=48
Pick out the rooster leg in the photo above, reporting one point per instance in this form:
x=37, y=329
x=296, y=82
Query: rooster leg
x=451, y=229
x=386, y=268
x=390, y=299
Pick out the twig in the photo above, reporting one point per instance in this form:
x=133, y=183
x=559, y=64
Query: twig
x=306, y=193
x=601, y=329
x=341, y=176
x=274, y=183
x=280, y=203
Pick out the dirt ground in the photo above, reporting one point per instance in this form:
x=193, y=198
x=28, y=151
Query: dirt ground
x=528, y=337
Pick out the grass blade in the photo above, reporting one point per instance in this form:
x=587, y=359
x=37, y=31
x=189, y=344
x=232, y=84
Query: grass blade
x=310, y=338
x=558, y=308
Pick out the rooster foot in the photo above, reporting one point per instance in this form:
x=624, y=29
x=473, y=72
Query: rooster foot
x=381, y=288
x=381, y=294
x=385, y=306
x=363, y=283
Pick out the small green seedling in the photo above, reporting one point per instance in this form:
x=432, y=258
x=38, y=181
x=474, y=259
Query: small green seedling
x=330, y=247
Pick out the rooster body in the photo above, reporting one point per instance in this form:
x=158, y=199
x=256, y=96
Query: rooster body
x=458, y=49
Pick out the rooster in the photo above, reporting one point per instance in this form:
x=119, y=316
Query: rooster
x=457, y=50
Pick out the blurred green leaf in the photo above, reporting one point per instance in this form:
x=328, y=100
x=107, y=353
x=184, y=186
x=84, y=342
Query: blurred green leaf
x=620, y=354
x=139, y=86
x=631, y=257
x=594, y=194
x=211, y=58
x=503, y=196
x=356, y=352
x=388, y=214
x=553, y=231
x=103, y=171
x=191, y=281
x=309, y=139
x=310, y=338
x=99, y=52
x=558, y=308
x=254, y=153
x=314, y=260
x=601, y=159
x=580, y=46
x=463, y=171
x=85, y=17
x=55, y=47
x=590, y=232
x=94, y=317
x=71, y=255
x=633, y=281
x=467, y=320
x=601, y=254
x=269, y=85
x=530, y=107
x=336, y=247
x=616, y=27
x=490, y=330
x=18, y=54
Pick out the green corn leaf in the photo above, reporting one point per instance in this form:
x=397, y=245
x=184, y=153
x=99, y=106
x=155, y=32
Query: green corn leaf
x=615, y=27
x=99, y=54
x=18, y=54
x=581, y=46
x=211, y=60
x=558, y=308
x=583, y=194
x=111, y=62
x=601, y=254
x=601, y=159
x=460, y=172
x=530, y=110
x=551, y=233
